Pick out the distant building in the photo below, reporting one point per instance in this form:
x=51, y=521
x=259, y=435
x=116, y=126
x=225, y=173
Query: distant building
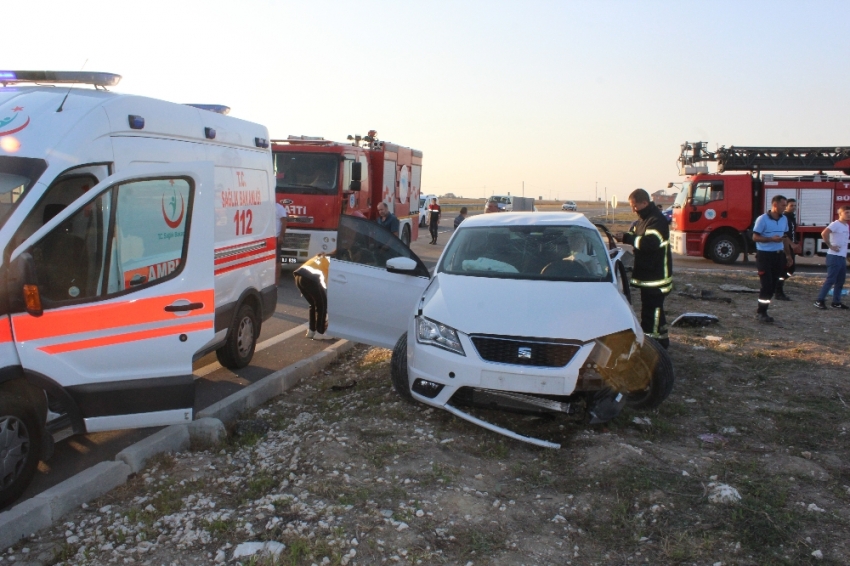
x=661, y=197
x=448, y=195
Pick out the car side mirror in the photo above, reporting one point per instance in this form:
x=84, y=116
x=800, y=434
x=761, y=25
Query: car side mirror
x=403, y=265
x=23, y=286
x=356, y=171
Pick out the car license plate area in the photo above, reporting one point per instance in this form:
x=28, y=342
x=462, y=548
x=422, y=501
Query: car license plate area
x=543, y=384
x=287, y=260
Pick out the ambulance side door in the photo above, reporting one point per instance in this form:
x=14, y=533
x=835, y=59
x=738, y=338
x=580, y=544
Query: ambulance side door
x=125, y=279
x=367, y=302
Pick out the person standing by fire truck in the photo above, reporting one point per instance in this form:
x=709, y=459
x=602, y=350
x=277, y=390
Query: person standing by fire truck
x=653, y=268
x=772, y=253
x=790, y=242
x=434, y=213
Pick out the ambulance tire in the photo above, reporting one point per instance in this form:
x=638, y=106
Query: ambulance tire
x=661, y=383
x=241, y=340
x=398, y=369
x=405, y=235
x=22, y=434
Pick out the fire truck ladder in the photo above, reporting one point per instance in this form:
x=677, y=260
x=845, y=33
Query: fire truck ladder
x=768, y=158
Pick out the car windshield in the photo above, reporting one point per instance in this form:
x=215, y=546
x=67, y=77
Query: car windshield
x=17, y=176
x=553, y=253
x=306, y=173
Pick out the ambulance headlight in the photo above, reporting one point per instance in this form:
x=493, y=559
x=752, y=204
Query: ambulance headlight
x=436, y=334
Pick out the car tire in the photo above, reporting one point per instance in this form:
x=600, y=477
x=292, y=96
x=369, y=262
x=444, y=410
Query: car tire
x=398, y=369
x=22, y=436
x=661, y=369
x=724, y=249
x=405, y=235
x=241, y=340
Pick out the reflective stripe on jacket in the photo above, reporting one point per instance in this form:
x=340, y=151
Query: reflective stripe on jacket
x=650, y=239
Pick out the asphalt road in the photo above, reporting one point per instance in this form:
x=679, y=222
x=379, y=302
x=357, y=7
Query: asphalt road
x=78, y=453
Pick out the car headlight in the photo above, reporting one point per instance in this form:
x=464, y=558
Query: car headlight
x=436, y=334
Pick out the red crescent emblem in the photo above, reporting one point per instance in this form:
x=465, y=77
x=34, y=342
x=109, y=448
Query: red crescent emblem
x=7, y=132
x=173, y=225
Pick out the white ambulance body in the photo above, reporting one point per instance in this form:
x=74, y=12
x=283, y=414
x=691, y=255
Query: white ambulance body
x=137, y=235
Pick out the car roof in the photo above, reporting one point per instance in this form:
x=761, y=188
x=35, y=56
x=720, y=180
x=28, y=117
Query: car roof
x=527, y=219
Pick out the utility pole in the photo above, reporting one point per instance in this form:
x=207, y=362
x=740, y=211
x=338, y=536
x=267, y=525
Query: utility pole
x=596, y=192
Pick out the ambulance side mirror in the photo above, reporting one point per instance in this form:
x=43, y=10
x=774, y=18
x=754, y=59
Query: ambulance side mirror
x=23, y=286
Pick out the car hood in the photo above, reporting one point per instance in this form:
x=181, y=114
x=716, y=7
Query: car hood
x=511, y=307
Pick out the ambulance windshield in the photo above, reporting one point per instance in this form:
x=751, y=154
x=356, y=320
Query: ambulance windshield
x=17, y=176
x=306, y=173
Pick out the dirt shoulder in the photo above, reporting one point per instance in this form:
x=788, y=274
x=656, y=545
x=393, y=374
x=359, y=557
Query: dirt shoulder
x=342, y=471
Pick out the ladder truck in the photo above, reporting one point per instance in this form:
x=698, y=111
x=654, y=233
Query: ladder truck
x=714, y=212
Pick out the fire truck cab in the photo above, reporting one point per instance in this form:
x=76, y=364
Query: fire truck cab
x=714, y=212
x=318, y=179
x=137, y=235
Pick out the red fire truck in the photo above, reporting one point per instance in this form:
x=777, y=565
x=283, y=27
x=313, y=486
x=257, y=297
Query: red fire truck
x=714, y=212
x=318, y=179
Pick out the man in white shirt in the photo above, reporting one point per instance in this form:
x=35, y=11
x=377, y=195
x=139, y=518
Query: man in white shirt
x=836, y=236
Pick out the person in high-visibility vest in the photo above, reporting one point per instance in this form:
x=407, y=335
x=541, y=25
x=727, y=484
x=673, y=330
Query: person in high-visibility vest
x=312, y=280
x=653, y=269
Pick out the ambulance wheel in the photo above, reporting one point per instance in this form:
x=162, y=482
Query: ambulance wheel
x=398, y=369
x=241, y=340
x=21, y=438
x=657, y=363
x=405, y=236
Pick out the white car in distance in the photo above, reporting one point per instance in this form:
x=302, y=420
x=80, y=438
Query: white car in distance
x=569, y=206
x=566, y=340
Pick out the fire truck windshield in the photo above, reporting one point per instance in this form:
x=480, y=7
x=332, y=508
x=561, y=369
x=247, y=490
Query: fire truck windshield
x=306, y=173
x=682, y=196
x=17, y=176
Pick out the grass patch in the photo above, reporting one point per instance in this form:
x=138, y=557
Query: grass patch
x=259, y=485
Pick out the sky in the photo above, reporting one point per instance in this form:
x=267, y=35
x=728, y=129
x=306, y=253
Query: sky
x=573, y=99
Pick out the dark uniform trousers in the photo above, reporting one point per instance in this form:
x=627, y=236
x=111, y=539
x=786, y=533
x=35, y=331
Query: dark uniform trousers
x=652, y=319
x=771, y=267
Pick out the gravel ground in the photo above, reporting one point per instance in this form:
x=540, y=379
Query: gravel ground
x=747, y=462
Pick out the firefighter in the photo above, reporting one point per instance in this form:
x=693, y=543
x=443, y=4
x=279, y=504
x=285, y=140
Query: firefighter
x=653, y=269
x=791, y=242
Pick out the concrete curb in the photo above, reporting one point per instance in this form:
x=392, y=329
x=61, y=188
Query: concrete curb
x=228, y=410
x=44, y=509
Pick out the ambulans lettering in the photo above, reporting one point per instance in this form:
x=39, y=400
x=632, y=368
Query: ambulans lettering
x=15, y=123
x=150, y=273
x=232, y=199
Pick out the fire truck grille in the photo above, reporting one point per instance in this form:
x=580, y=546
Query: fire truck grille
x=295, y=241
x=525, y=351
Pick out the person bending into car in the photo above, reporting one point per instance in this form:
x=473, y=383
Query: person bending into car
x=653, y=268
x=312, y=280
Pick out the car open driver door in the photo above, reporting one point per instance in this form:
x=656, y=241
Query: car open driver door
x=374, y=284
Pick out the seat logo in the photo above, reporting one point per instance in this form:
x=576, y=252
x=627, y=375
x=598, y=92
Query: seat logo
x=524, y=353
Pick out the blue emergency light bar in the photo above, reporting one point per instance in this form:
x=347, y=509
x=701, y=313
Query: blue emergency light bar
x=60, y=77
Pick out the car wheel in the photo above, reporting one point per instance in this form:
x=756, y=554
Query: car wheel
x=21, y=438
x=241, y=340
x=724, y=249
x=623, y=276
x=398, y=368
x=657, y=363
x=405, y=236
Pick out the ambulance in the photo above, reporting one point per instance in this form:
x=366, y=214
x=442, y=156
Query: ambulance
x=137, y=235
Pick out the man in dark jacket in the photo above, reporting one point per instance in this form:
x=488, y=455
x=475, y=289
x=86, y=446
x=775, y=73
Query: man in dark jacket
x=653, y=269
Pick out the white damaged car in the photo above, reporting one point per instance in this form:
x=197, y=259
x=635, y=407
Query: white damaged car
x=525, y=312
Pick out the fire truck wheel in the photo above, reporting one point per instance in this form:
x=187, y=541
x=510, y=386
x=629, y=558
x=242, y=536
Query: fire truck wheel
x=724, y=248
x=241, y=340
x=658, y=363
x=21, y=437
x=405, y=236
x=398, y=368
